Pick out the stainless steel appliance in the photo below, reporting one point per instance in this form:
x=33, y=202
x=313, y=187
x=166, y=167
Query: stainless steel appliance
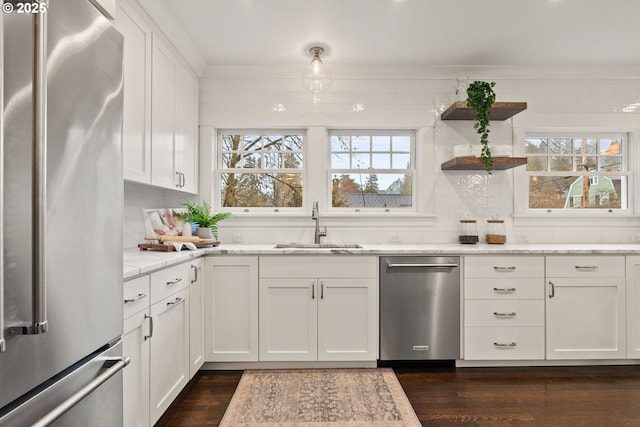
x=61, y=228
x=419, y=308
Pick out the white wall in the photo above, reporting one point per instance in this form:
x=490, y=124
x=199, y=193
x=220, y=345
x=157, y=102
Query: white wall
x=232, y=97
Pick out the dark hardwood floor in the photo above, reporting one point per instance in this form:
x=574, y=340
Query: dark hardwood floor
x=603, y=396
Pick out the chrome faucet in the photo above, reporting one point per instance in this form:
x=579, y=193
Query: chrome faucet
x=316, y=217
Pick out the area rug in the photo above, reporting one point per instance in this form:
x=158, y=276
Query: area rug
x=320, y=398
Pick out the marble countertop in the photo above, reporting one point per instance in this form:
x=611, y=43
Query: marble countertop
x=136, y=262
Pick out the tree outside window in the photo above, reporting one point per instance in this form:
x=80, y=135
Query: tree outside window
x=261, y=170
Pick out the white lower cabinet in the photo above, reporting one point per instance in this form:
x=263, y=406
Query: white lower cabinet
x=135, y=346
x=504, y=308
x=586, y=310
x=633, y=307
x=196, y=317
x=157, y=340
x=231, y=309
x=169, y=366
x=318, y=308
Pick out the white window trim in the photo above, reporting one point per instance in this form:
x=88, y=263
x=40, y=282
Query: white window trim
x=256, y=211
x=316, y=179
x=523, y=216
x=375, y=210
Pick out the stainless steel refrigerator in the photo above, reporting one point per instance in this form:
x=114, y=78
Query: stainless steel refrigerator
x=61, y=208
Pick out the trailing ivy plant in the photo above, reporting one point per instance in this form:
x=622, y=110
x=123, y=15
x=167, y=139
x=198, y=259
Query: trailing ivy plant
x=481, y=97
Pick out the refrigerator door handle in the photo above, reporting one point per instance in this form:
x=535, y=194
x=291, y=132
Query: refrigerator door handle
x=113, y=365
x=39, y=316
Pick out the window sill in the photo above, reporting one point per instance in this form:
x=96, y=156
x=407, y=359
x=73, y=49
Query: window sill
x=576, y=219
x=361, y=219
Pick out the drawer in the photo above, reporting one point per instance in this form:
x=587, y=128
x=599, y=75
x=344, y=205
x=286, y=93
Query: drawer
x=504, y=288
x=509, y=313
x=169, y=281
x=318, y=266
x=503, y=266
x=135, y=295
x=488, y=343
x=586, y=266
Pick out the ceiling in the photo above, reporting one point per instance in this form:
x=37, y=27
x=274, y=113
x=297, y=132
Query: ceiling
x=575, y=33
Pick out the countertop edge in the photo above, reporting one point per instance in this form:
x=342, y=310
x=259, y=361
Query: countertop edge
x=138, y=262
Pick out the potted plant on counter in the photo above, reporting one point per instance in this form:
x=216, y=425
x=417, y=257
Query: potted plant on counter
x=202, y=215
x=481, y=98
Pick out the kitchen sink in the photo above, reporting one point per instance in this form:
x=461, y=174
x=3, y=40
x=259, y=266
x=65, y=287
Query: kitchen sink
x=318, y=246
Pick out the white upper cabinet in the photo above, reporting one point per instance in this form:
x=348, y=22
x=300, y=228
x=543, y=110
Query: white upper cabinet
x=174, y=107
x=136, y=122
x=163, y=100
x=186, y=131
x=160, y=125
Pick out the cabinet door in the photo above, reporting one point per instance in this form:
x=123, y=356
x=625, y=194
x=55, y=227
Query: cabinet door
x=633, y=307
x=186, y=137
x=169, y=371
x=135, y=378
x=348, y=319
x=163, y=99
x=586, y=318
x=231, y=309
x=288, y=319
x=136, y=119
x=196, y=318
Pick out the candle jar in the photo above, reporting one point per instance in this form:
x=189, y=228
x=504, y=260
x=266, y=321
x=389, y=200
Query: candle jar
x=495, y=232
x=468, y=231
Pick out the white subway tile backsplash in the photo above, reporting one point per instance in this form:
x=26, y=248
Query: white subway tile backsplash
x=402, y=102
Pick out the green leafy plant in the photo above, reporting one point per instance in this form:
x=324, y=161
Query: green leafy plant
x=202, y=215
x=481, y=98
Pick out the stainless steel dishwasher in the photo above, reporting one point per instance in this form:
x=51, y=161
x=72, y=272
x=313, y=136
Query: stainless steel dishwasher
x=419, y=308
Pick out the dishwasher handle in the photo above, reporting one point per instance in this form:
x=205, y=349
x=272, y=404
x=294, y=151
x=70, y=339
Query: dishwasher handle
x=424, y=265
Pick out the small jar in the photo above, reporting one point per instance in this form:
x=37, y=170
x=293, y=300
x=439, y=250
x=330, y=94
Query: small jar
x=495, y=232
x=468, y=232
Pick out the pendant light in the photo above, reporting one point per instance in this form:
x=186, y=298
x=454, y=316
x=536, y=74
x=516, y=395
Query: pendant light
x=316, y=77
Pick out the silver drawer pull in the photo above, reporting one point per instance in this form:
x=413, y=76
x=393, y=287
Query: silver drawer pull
x=496, y=268
x=504, y=289
x=511, y=314
x=586, y=267
x=178, y=280
x=505, y=345
x=176, y=301
x=146, y=316
x=138, y=298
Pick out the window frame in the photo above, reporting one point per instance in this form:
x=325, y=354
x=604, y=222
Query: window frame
x=218, y=170
x=413, y=169
x=525, y=216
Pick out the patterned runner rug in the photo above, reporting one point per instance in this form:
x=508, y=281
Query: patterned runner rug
x=319, y=398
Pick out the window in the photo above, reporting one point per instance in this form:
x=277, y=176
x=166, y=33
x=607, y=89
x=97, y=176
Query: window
x=577, y=171
x=372, y=169
x=261, y=169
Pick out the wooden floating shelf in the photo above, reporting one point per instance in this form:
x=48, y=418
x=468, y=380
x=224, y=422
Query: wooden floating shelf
x=500, y=111
x=475, y=163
